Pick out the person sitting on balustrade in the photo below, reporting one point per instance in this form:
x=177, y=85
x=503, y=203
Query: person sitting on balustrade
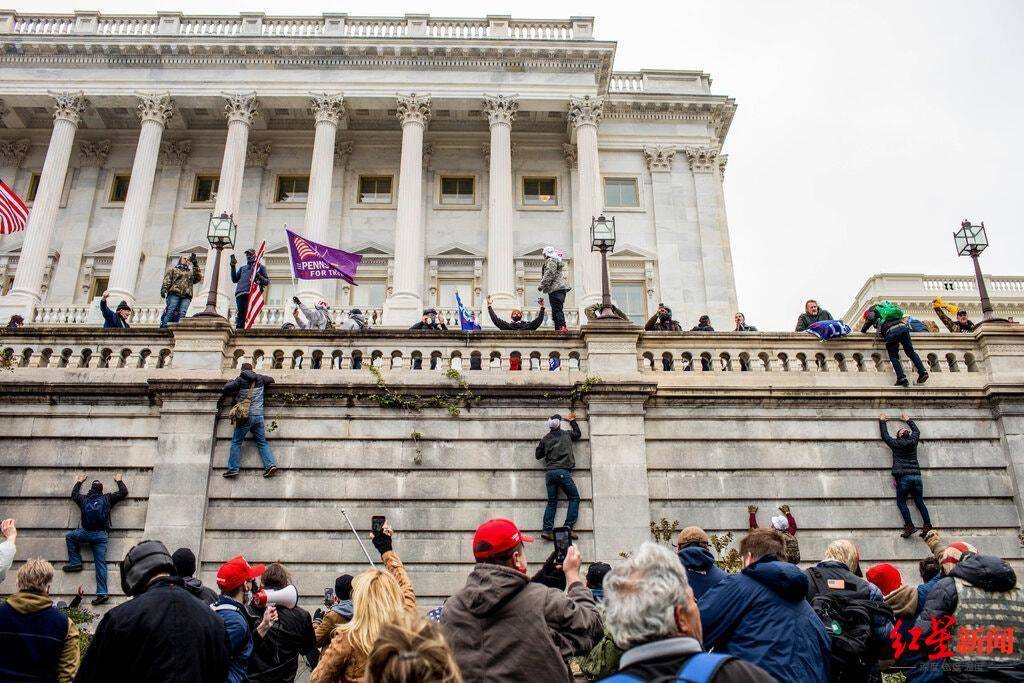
x=517, y=322
x=662, y=321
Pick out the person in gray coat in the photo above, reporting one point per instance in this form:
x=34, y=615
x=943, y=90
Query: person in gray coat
x=552, y=283
x=555, y=449
x=317, y=318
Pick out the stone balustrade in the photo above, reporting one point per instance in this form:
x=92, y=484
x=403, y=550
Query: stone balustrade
x=59, y=347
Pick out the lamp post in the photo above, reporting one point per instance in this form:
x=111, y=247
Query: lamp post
x=220, y=233
x=602, y=239
x=971, y=240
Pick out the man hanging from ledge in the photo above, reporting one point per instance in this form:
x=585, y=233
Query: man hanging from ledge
x=555, y=449
x=906, y=471
x=785, y=524
x=95, y=507
x=517, y=322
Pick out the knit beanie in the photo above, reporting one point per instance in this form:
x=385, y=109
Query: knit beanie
x=343, y=587
x=886, y=577
x=691, y=535
x=780, y=523
x=123, y=306
x=184, y=562
x=554, y=422
x=954, y=552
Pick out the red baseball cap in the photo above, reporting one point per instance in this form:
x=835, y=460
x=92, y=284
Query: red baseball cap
x=237, y=571
x=497, y=536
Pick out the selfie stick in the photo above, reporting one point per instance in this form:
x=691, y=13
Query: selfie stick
x=356, y=534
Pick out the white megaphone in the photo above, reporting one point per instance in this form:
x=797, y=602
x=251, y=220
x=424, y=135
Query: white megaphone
x=286, y=597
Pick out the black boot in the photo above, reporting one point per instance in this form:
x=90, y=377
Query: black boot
x=908, y=530
x=903, y=382
x=922, y=378
x=925, y=529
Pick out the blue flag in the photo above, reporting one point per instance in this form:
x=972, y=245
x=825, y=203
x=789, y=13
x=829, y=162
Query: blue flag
x=465, y=316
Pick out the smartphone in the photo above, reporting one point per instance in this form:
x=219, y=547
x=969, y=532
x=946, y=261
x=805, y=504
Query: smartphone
x=328, y=596
x=377, y=524
x=562, y=542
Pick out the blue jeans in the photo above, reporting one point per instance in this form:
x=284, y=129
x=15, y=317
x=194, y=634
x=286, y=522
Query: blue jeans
x=557, y=299
x=896, y=336
x=241, y=308
x=911, y=485
x=175, y=310
x=255, y=425
x=98, y=540
x=561, y=479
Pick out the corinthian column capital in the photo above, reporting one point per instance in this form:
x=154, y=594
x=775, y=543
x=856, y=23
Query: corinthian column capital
x=241, y=107
x=586, y=109
x=93, y=153
x=501, y=108
x=12, y=152
x=414, y=108
x=702, y=159
x=723, y=159
x=659, y=157
x=257, y=154
x=155, y=107
x=69, y=106
x=175, y=153
x=342, y=152
x=327, y=107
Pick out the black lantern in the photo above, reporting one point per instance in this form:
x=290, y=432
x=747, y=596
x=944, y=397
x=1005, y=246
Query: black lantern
x=971, y=240
x=220, y=233
x=602, y=239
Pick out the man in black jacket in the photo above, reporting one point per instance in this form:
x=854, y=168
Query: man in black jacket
x=275, y=656
x=252, y=387
x=907, y=472
x=162, y=634
x=185, y=568
x=430, y=321
x=555, y=449
x=95, y=507
x=662, y=321
x=517, y=322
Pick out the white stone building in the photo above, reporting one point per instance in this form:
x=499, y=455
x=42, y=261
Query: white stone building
x=914, y=293
x=447, y=151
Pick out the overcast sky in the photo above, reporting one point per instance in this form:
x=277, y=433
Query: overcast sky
x=866, y=129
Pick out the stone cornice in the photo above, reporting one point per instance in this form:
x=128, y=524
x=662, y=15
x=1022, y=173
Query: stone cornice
x=716, y=110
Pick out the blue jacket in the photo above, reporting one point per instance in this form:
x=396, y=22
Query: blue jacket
x=236, y=623
x=761, y=616
x=243, y=275
x=700, y=569
x=111, y=319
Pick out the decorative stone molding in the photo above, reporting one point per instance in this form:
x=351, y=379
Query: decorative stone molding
x=327, y=108
x=93, y=153
x=485, y=150
x=155, y=107
x=414, y=108
x=342, y=152
x=4, y=110
x=659, y=157
x=702, y=159
x=585, y=110
x=241, y=107
x=69, y=106
x=12, y=152
x=500, y=108
x=723, y=159
x=569, y=152
x=428, y=154
x=257, y=154
x=175, y=153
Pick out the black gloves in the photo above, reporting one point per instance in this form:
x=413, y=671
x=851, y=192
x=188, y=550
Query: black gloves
x=382, y=542
x=233, y=260
x=295, y=300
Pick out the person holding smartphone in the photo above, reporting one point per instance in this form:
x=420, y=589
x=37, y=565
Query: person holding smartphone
x=555, y=449
x=430, y=321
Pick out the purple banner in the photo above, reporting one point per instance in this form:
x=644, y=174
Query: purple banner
x=313, y=261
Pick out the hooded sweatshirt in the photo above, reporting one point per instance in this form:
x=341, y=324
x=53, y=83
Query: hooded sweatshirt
x=761, y=616
x=317, y=318
x=503, y=628
x=39, y=641
x=700, y=569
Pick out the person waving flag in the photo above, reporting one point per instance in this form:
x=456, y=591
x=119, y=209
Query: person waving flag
x=467, y=321
x=256, y=292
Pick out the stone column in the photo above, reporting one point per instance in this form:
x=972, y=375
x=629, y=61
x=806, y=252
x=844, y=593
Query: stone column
x=579, y=250
x=719, y=280
x=405, y=305
x=501, y=111
x=584, y=115
x=82, y=202
x=42, y=219
x=154, y=111
x=156, y=247
x=12, y=155
x=329, y=110
x=241, y=110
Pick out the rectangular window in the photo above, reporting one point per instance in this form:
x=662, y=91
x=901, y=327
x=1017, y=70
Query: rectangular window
x=457, y=190
x=375, y=189
x=99, y=285
x=446, y=293
x=205, y=189
x=119, y=188
x=292, y=189
x=631, y=301
x=280, y=293
x=540, y=192
x=621, y=192
x=369, y=295
x=33, y=188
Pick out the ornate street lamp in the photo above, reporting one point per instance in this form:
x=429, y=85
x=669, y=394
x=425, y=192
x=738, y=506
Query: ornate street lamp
x=971, y=240
x=602, y=239
x=220, y=233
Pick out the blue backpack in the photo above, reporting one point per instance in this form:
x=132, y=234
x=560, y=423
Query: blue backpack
x=95, y=513
x=699, y=668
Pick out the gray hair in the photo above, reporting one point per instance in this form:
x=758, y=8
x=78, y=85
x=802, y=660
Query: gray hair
x=640, y=596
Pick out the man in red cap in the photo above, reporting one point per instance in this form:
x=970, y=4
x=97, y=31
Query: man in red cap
x=235, y=578
x=502, y=627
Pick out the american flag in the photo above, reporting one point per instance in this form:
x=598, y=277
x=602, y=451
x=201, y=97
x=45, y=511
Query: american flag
x=13, y=212
x=256, y=298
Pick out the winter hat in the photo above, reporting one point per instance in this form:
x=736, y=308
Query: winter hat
x=144, y=561
x=954, y=552
x=97, y=486
x=343, y=587
x=691, y=535
x=780, y=523
x=355, y=311
x=554, y=422
x=184, y=562
x=886, y=577
x=596, y=573
x=123, y=306
x=552, y=253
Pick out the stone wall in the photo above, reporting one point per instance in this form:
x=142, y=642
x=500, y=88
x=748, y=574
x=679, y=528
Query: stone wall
x=689, y=445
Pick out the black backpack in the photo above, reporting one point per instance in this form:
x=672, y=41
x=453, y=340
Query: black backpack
x=848, y=616
x=95, y=513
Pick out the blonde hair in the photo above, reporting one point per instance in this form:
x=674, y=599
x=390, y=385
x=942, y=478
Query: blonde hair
x=411, y=650
x=843, y=551
x=35, y=576
x=377, y=600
